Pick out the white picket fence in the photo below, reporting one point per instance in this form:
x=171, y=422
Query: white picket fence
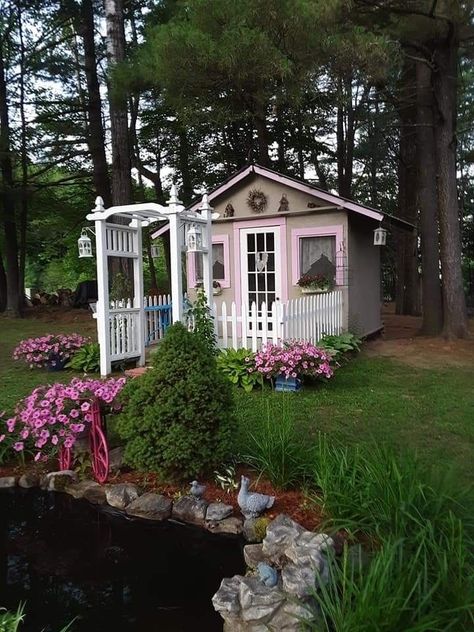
x=307, y=318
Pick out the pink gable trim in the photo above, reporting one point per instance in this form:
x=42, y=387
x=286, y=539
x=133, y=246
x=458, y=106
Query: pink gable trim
x=300, y=186
x=261, y=223
x=323, y=231
x=191, y=263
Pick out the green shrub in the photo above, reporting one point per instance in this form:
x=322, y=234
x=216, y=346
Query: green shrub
x=203, y=323
x=177, y=417
x=235, y=364
x=86, y=359
x=276, y=450
x=10, y=621
x=341, y=344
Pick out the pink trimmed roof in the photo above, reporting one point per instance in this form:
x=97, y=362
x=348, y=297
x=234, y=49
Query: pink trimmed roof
x=300, y=185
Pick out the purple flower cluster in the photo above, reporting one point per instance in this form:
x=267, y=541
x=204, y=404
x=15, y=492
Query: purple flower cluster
x=54, y=415
x=49, y=349
x=293, y=359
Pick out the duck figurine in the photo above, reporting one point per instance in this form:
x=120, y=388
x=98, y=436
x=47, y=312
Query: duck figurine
x=252, y=504
x=197, y=489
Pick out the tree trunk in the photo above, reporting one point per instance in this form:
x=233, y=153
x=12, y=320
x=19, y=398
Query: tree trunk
x=13, y=306
x=3, y=285
x=23, y=217
x=121, y=161
x=95, y=132
x=262, y=140
x=455, y=323
x=428, y=203
x=407, y=290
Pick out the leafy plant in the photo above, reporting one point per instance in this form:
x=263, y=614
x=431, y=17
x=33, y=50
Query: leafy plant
x=293, y=359
x=226, y=478
x=54, y=415
x=10, y=621
x=277, y=451
x=341, y=344
x=178, y=416
x=239, y=367
x=86, y=359
x=49, y=350
x=202, y=322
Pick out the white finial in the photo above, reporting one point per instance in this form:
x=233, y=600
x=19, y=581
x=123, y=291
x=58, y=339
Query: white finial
x=205, y=206
x=99, y=204
x=174, y=195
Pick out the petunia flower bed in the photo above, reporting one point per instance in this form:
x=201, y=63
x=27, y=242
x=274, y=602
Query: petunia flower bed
x=293, y=359
x=55, y=415
x=52, y=350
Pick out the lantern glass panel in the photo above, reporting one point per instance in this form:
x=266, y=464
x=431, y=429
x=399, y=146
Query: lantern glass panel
x=85, y=247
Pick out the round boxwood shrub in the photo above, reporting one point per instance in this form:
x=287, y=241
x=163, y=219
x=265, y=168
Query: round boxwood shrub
x=177, y=417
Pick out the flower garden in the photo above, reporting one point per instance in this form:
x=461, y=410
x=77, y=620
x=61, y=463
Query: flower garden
x=200, y=413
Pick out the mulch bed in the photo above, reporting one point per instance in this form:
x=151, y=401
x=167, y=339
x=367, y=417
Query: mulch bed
x=294, y=503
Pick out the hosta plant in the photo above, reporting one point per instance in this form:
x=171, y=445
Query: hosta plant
x=49, y=350
x=86, y=359
x=238, y=365
x=55, y=415
x=341, y=344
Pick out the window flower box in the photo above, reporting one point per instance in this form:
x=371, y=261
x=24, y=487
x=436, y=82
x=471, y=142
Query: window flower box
x=314, y=284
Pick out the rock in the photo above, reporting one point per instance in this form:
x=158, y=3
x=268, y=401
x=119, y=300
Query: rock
x=231, y=526
x=58, y=481
x=226, y=600
x=29, y=479
x=77, y=490
x=281, y=533
x=121, y=494
x=151, y=507
x=253, y=555
x=7, y=481
x=189, y=509
x=258, y=602
x=218, y=511
x=299, y=580
x=115, y=459
x=308, y=547
x=290, y=616
x=95, y=494
x=255, y=528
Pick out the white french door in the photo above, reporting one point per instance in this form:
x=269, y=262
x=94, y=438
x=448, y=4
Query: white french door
x=260, y=267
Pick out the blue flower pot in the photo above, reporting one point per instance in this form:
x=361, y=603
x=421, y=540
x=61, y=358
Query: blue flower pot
x=56, y=363
x=283, y=383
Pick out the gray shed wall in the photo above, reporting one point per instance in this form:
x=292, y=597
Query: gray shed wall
x=364, y=277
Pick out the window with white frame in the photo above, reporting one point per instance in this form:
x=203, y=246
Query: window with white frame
x=315, y=252
x=317, y=255
x=220, y=262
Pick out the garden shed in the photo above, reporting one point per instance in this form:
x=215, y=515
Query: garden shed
x=272, y=230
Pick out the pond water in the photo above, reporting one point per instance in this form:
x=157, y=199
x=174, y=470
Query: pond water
x=66, y=558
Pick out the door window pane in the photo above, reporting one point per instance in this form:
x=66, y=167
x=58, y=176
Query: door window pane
x=250, y=243
x=270, y=241
x=260, y=242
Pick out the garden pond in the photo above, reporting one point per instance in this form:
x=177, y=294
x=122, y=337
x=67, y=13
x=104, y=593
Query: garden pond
x=66, y=558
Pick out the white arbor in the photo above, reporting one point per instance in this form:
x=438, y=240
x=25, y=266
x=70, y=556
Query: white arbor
x=121, y=330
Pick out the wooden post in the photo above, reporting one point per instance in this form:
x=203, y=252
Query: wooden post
x=138, y=290
x=206, y=214
x=175, y=258
x=103, y=319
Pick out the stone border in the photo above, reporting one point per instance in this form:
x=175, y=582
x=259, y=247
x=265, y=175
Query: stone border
x=215, y=517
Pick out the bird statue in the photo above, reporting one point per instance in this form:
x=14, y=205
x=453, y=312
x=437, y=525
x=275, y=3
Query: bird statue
x=197, y=490
x=267, y=574
x=253, y=504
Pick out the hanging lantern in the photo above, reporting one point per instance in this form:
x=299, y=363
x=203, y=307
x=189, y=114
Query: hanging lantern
x=380, y=236
x=194, y=239
x=85, y=245
x=155, y=251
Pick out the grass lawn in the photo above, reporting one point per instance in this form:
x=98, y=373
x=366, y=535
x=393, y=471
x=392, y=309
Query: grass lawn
x=372, y=398
x=376, y=398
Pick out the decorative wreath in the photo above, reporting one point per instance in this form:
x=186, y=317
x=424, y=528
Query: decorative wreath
x=257, y=200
